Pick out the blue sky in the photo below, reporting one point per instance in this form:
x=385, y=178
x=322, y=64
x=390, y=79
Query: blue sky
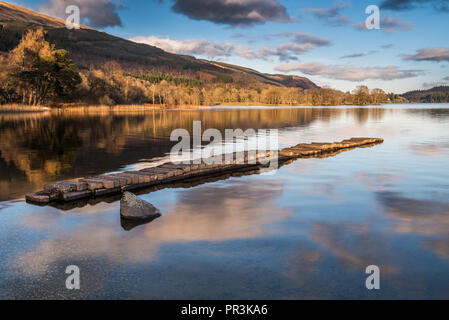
x=317, y=39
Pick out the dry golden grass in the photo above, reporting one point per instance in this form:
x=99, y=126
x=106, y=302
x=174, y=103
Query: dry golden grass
x=104, y=108
x=20, y=108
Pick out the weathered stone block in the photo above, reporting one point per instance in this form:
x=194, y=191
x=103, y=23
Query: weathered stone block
x=93, y=185
x=79, y=186
x=128, y=179
x=194, y=167
x=136, y=179
x=169, y=173
x=61, y=187
x=38, y=197
x=106, y=192
x=143, y=177
x=153, y=176
x=71, y=196
x=118, y=182
x=172, y=166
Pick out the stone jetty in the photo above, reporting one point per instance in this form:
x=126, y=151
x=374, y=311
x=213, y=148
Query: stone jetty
x=118, y=183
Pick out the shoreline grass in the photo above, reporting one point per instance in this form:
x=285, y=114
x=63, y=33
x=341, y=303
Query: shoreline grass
x=73, y=107
x=20, y=108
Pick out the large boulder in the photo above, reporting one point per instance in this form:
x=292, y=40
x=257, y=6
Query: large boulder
x=134, y=208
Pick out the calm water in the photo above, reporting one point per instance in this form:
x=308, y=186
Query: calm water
x=309, y=231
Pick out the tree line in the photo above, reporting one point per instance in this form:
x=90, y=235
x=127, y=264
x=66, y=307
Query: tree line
x=35, y=73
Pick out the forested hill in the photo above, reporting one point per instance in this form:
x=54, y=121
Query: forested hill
x=436, y=94
x=90, y=48
x=42, y=62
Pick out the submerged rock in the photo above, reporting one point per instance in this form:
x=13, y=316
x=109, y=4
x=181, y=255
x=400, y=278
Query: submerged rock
x=134, y=208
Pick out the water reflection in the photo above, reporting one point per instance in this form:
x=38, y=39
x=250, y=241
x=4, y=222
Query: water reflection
x=439, y=113
x=128, y=225
x=355, y=246
x=35, y=149
x=430, y=149
x=234, y=213
x=309, y=231
x=422, y=217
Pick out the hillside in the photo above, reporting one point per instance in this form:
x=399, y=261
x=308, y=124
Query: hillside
x=10, y=12
x=275, y=79
x=91, y=48
x=436, y=94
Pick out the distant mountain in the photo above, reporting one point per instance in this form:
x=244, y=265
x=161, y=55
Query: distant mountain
x=92, y=48
x=275, y=79
x=436, y=94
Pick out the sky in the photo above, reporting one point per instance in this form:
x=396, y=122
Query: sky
x=325, y=41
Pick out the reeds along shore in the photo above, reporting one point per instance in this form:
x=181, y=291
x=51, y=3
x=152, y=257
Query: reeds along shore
x=111, y=184
x=20, y=108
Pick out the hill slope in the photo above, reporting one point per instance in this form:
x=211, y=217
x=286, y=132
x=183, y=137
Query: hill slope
x=436, y=94
x=10, y=12
x=88, y=47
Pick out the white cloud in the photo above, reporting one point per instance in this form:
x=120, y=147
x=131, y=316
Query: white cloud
x=354, y=55
x=331, y=15
x=95, y=13
x=201, y=47
x=298, y=44
x=388, y=24
x=245, y=51
x=348, y=73
x=440, y=5
x=233, y=12
x=436, y=54
x=428, y=85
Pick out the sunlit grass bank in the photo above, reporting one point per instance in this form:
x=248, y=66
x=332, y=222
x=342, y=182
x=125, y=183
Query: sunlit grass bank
x=76, y=108
x=20, y=108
